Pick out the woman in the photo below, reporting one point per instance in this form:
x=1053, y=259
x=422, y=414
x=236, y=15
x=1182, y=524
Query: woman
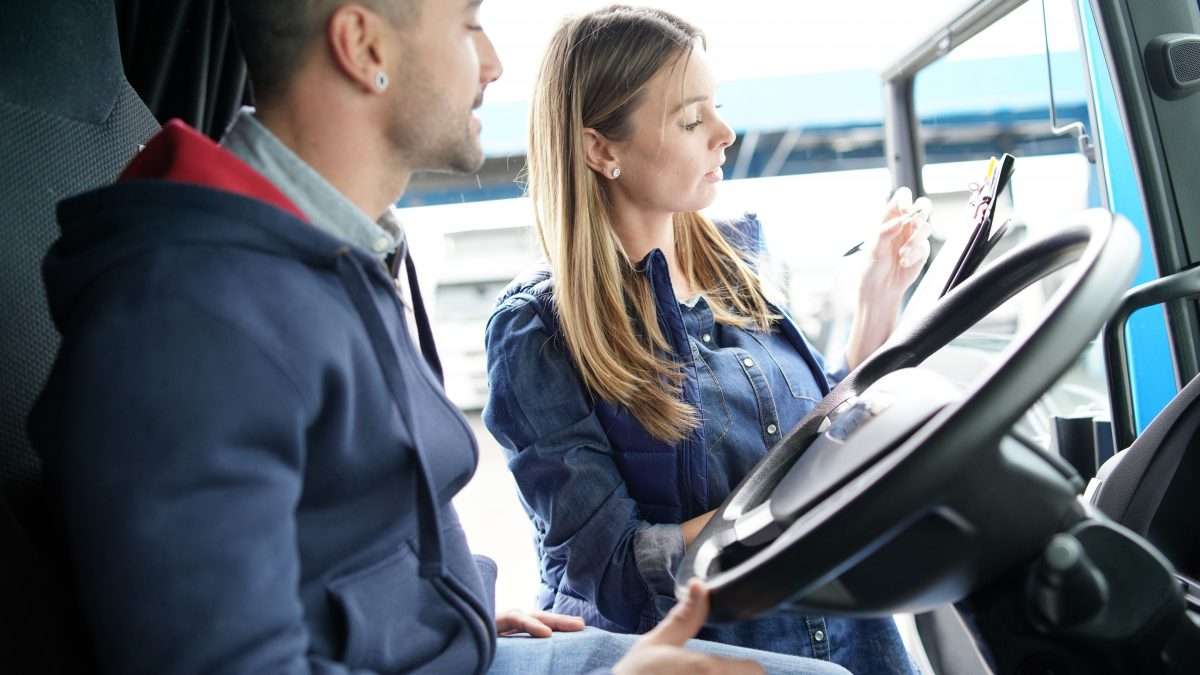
x=637, y=381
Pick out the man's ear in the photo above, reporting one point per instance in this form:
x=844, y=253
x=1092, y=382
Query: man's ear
x=599, y=153
x=356, y=45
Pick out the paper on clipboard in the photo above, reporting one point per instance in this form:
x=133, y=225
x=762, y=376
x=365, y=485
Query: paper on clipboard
x=987, y=201
x=929, y=290
x=960, y=247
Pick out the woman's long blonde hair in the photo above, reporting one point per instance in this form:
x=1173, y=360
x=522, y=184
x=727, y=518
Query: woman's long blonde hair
x=593, y=77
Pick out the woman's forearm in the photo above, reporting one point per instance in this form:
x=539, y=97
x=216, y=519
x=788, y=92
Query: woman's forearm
x=873, y=324
x=692, y=527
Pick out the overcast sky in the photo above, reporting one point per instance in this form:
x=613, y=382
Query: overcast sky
x=766, y=38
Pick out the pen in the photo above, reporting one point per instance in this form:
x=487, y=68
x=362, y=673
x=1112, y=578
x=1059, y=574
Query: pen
x=858, y=246
x=915, y=210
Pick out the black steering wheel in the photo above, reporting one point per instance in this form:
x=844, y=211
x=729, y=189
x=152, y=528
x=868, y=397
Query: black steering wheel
x=899, y=492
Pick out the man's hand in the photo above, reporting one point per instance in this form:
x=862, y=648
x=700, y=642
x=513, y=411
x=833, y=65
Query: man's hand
x=537, y=624
x=661, y=650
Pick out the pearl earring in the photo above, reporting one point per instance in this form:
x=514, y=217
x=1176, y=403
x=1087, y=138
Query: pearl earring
x=381, y=81
x=616, y=172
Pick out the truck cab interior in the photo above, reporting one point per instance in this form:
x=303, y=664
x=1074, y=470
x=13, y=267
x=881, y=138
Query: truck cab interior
x=1015, y=557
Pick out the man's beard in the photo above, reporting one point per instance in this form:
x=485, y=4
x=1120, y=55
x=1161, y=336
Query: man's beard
x=467, y=157
x=438, y=147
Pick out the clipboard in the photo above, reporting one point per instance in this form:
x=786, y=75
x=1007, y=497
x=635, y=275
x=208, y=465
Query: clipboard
x=982, y=239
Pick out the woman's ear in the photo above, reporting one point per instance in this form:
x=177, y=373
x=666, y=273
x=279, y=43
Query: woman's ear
x=599, y=154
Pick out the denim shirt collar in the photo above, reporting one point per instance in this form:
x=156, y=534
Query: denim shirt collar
x=654, y=262
x=655, y=267
x=327, y=208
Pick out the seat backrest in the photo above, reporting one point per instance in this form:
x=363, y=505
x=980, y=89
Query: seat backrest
x=69, y=122
x=1153, y=487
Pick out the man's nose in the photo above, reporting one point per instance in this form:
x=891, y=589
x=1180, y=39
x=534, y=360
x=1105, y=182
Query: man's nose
x=490, y=67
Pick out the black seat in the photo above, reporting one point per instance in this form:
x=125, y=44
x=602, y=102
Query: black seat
x=69, y=122
x=1152, y=486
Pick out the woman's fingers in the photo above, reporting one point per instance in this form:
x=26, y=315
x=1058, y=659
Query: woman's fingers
x=902, y=225
x=915, y=254
x=900, y=202
x=891, y=228
x=902, y=210
x=916, y=247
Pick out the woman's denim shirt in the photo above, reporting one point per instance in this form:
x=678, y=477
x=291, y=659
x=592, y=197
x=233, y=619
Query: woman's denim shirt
x=606, y=498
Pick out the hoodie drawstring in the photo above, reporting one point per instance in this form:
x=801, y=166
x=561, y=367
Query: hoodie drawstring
x=429, y=555
x=428, y=521
x=424, y=334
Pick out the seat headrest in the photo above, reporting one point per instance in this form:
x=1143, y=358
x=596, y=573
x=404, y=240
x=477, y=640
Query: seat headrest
x=61, y=57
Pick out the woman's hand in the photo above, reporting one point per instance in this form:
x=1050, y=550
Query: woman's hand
x=895, y=256
x=899, y=249
x=538, y=624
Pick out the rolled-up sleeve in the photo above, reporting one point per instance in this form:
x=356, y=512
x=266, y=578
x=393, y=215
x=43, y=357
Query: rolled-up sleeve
x=659, y=550
x=563, y=463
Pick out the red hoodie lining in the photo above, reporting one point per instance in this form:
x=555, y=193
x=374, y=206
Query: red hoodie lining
x=181, y=154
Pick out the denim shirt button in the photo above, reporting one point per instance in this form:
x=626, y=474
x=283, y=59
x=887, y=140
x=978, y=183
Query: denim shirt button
x=749, y=363
x=819, y=636
x=706, y=337
x=771, y=428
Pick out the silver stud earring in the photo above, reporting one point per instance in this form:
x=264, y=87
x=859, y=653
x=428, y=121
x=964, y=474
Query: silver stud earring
x=616, y=172
x=381, y=81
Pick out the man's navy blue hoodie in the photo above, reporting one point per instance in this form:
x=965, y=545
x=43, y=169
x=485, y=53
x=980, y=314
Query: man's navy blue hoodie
x=251, y=461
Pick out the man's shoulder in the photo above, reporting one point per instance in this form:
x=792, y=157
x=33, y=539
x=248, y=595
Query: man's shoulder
x=215, y=270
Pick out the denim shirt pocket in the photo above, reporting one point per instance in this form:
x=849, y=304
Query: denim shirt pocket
x=396, y=621
x=801, y=381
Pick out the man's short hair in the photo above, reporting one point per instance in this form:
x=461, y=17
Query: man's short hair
x=275, y=34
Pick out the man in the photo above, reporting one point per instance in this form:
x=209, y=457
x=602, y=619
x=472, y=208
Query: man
x=251, y=453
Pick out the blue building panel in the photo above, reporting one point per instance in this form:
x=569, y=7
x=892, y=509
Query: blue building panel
x=851, y=98
x=1150, y=358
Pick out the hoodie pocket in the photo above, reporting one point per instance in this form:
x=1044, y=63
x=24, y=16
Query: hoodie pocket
x=394, y=620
